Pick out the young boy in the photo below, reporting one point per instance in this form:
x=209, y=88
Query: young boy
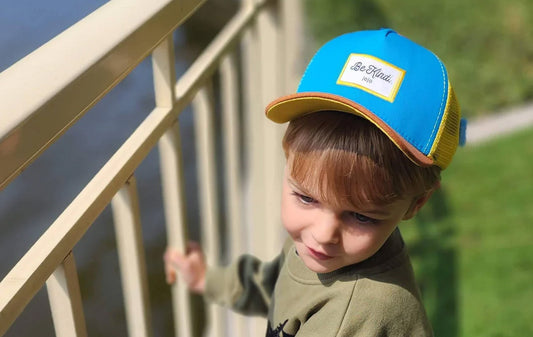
x=372, y=124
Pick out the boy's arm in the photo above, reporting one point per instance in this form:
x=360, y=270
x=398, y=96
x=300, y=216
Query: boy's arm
x=246, y=286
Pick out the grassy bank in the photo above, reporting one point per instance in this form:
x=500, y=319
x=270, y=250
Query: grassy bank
x=487, y=45
x=472, y=246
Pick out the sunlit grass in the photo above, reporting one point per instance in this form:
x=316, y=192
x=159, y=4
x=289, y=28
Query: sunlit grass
x=472, y=246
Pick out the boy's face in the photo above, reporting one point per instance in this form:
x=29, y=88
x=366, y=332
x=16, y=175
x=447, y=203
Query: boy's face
x=328, y=239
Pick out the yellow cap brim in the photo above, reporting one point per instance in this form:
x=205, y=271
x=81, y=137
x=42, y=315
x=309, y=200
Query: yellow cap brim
x=287, y=108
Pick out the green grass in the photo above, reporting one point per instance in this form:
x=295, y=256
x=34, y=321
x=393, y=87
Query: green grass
x=472, y=245
x=487, y=45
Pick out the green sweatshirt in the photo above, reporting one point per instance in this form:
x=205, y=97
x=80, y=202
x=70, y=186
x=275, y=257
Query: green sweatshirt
x=377, y=297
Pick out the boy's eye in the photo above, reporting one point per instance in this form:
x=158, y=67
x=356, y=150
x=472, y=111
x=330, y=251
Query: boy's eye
x=363, y=218
x=304, y=198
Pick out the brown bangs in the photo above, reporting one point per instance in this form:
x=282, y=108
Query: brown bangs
x=347, y=162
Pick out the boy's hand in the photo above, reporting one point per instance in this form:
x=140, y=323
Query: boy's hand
x=191, y=266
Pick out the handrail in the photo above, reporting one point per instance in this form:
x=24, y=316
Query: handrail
x=90, y=58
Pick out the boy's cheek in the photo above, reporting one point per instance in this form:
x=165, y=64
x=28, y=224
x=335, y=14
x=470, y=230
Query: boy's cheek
x=287, y=216
x=290, y=225
x=291, y=230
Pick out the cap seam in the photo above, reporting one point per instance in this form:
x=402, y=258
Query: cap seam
x=439, y=117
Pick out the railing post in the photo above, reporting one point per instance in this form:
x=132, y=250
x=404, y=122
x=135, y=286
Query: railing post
x=172, y=180
x=293, y=38
x=253, y=131
x=130, y=248
x=254, y=134
x=205, y=151
x=233, y=173
x=65, y=300
x=271, y=81
x=232, y=127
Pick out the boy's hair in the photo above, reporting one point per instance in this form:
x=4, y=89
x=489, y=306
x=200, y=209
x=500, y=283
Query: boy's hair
x=346, y=161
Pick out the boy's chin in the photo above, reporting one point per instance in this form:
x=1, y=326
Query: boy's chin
x=319, y=268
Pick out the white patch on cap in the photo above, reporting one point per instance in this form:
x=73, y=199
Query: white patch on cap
x=373, y=75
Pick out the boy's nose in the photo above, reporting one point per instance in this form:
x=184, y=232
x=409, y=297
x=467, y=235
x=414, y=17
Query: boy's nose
x=327, y=229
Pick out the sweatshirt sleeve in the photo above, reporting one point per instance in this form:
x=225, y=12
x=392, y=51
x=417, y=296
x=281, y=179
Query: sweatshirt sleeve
x=246, y=286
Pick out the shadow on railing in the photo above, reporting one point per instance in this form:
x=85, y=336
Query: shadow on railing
x=49, y=90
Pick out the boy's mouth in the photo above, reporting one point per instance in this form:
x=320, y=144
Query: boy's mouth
x=318, y=255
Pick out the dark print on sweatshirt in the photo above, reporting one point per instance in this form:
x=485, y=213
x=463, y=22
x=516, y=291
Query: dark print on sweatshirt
x=278, y=331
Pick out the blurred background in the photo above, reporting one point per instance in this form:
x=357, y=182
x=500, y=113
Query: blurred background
x=472, y=246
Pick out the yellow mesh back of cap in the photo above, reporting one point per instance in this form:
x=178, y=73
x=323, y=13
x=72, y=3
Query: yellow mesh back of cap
x=447, y=138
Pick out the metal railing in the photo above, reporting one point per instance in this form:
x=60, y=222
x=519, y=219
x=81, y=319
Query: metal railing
x=45, y=93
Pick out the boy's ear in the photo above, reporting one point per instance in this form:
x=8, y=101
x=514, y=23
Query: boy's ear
x=418, y=202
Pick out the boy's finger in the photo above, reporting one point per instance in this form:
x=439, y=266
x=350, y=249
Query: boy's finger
x=171, y=277
x=169, y=254
x=193, y=245
x=170, y=273
x=194, y=248
x=172, y=256
x=179, y=261
x=166, y=255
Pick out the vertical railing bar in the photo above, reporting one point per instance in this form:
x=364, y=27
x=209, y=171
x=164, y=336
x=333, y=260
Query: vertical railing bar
x=253, y=120
x=205, y=150
x=233, y=174
x=253, y=130
x=270, y=84
x=292, y=33
x=65, y=300
x=172, y=180
x=126, y=216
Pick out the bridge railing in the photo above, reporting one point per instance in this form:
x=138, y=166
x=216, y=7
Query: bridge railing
x=45, y=93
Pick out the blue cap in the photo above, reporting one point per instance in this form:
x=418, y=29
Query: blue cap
x=398, y=85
